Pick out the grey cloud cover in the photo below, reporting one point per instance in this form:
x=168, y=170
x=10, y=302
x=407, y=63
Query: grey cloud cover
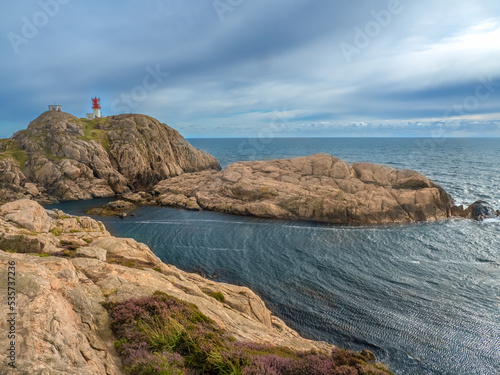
x=419, y=69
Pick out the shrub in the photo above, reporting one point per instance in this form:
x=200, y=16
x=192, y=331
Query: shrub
x=163, y=335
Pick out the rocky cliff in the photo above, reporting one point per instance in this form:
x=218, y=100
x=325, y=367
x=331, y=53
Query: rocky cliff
x=66, y=267
x=61, y=157
x=318, y=187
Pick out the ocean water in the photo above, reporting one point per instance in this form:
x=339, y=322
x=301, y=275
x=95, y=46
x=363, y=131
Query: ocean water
x=424, y=297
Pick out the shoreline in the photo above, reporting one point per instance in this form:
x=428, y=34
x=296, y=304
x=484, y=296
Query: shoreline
x=77, y=255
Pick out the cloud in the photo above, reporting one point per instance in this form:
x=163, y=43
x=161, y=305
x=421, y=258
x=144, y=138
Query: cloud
x=230, y=77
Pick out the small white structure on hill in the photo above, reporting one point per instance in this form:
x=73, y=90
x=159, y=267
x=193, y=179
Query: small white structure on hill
x=96, y=107
x=55, y=107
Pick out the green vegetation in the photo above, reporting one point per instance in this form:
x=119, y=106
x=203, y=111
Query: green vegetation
x=163, y=335
x=131, y=263
x=56, y=231
x=40, y=141
x=51, y=156
x=218, y=296
x=9, y=148
x=113, y=292
x=93, y=134
x=41, y=255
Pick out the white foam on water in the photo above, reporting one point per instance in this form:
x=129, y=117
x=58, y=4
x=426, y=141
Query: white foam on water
x=492, y=220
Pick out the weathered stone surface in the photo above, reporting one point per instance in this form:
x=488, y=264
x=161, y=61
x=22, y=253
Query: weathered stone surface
x=31, y=189
x=76, y=159
x=28, y=228
x=179, y=200
x=27, y=214
x=128, y=250
x=62, y=326
x=133, y=197
x=116, y=208
x=318, y=187
x=479, y=210
x=91, y=252
x=457, y=210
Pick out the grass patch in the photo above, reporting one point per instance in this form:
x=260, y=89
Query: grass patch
x=40, y=141
x=162, y=335
x=51, y=156
x=41, y=255
x=56, y=231
x=113, y=292
x=218, y=296
x=9, y=148
x=93, y=134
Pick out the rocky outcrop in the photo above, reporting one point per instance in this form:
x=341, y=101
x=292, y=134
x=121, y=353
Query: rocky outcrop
x=318, y=187
x=478, y=210
x=66, y=158
x=74, y=265
x=117, y=208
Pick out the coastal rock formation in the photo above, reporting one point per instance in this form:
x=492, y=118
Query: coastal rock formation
x=65, y=158
x=318, y=188
x=479, y=210
x=117, y=208
x=74, y=265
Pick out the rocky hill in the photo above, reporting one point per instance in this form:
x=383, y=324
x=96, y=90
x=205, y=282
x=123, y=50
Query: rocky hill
x=68, y=269
x=61, y=157
x=318, y=188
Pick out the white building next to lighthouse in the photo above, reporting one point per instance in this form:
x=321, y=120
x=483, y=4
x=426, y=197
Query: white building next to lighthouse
x=55, y=107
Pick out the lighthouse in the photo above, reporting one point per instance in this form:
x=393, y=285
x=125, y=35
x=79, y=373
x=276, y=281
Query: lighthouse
x=96, y=108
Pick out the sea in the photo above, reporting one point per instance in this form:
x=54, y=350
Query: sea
x=424, y=297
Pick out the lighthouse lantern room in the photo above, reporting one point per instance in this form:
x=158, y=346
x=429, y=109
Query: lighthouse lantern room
x=96, y=108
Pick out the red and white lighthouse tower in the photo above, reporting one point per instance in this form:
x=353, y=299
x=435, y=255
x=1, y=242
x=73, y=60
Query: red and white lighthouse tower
x=96, y=106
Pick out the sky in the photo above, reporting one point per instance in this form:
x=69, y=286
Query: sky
x=258, y=68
